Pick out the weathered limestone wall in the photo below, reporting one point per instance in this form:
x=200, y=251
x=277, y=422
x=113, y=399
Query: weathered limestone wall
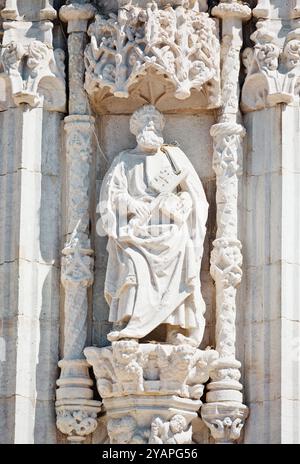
x=269, y=297
x=30, y=272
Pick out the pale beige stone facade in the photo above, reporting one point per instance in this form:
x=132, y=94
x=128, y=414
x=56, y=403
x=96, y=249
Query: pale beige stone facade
x=226, y=77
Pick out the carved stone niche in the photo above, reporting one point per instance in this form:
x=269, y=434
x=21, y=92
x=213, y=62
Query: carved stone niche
x=163, y=54
x=151, y=392
x=30, y=70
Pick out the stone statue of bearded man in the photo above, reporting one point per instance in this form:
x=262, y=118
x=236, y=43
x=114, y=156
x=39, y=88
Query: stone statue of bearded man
x=154, y=211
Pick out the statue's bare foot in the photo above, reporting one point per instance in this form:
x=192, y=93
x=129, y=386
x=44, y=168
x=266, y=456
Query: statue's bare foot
x=113, y=336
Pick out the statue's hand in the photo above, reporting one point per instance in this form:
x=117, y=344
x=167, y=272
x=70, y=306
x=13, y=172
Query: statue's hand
x=178, y=206
x=139, y=208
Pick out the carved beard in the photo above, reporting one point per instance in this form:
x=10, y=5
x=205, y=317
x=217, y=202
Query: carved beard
x=149, y=140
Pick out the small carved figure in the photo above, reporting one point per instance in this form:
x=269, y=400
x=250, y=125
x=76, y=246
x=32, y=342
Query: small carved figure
x=174, y=432
x=128, y=366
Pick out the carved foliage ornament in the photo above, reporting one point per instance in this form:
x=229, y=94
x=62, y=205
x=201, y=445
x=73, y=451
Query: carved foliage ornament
x=76, y=422
x=127, y=368
x=35, y=70
x=173, y=432
x=179, y=43
x=273, y=74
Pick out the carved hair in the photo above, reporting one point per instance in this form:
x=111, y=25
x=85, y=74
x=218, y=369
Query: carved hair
x=140, y=117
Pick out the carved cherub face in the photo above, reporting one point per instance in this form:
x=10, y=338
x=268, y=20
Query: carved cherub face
x=147, y=125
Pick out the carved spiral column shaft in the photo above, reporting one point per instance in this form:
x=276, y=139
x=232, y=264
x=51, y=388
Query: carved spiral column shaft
x=77, y=266
x=76, y=411
x=224, y=412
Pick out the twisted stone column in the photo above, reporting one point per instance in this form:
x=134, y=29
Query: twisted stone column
x=224, y=412
x=76, y=411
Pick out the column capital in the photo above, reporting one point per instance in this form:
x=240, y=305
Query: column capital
x=229, y=9
x=77, y=16
x=225, y=420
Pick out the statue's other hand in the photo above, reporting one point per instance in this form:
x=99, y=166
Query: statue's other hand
x=139, y=208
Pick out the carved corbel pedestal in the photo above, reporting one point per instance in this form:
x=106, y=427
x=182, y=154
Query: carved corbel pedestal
x=151, y=392
x=45, y=11
x=32, y=71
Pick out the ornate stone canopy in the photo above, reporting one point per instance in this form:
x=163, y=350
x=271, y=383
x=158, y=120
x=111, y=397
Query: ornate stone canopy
x=176, y=43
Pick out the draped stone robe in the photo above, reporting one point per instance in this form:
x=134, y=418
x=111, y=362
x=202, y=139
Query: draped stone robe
x=153, y=273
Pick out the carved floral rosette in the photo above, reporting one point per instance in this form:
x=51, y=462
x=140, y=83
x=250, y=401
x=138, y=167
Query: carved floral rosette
x=150, y=390
x=177, y=42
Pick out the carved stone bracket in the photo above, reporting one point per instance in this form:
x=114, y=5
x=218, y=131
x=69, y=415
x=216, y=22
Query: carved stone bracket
x=180, y=43
x=273, y=71
x=31, y=71
x=151, y=392
x=225, y=421
x=76, y=410
x=226, y=258
x=77, y=419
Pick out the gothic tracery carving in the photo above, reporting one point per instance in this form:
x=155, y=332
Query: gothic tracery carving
x=178, y=42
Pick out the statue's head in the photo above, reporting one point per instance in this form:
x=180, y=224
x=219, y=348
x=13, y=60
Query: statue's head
x=147, y=124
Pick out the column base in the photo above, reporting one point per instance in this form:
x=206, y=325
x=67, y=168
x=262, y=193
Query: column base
x=75, y=409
